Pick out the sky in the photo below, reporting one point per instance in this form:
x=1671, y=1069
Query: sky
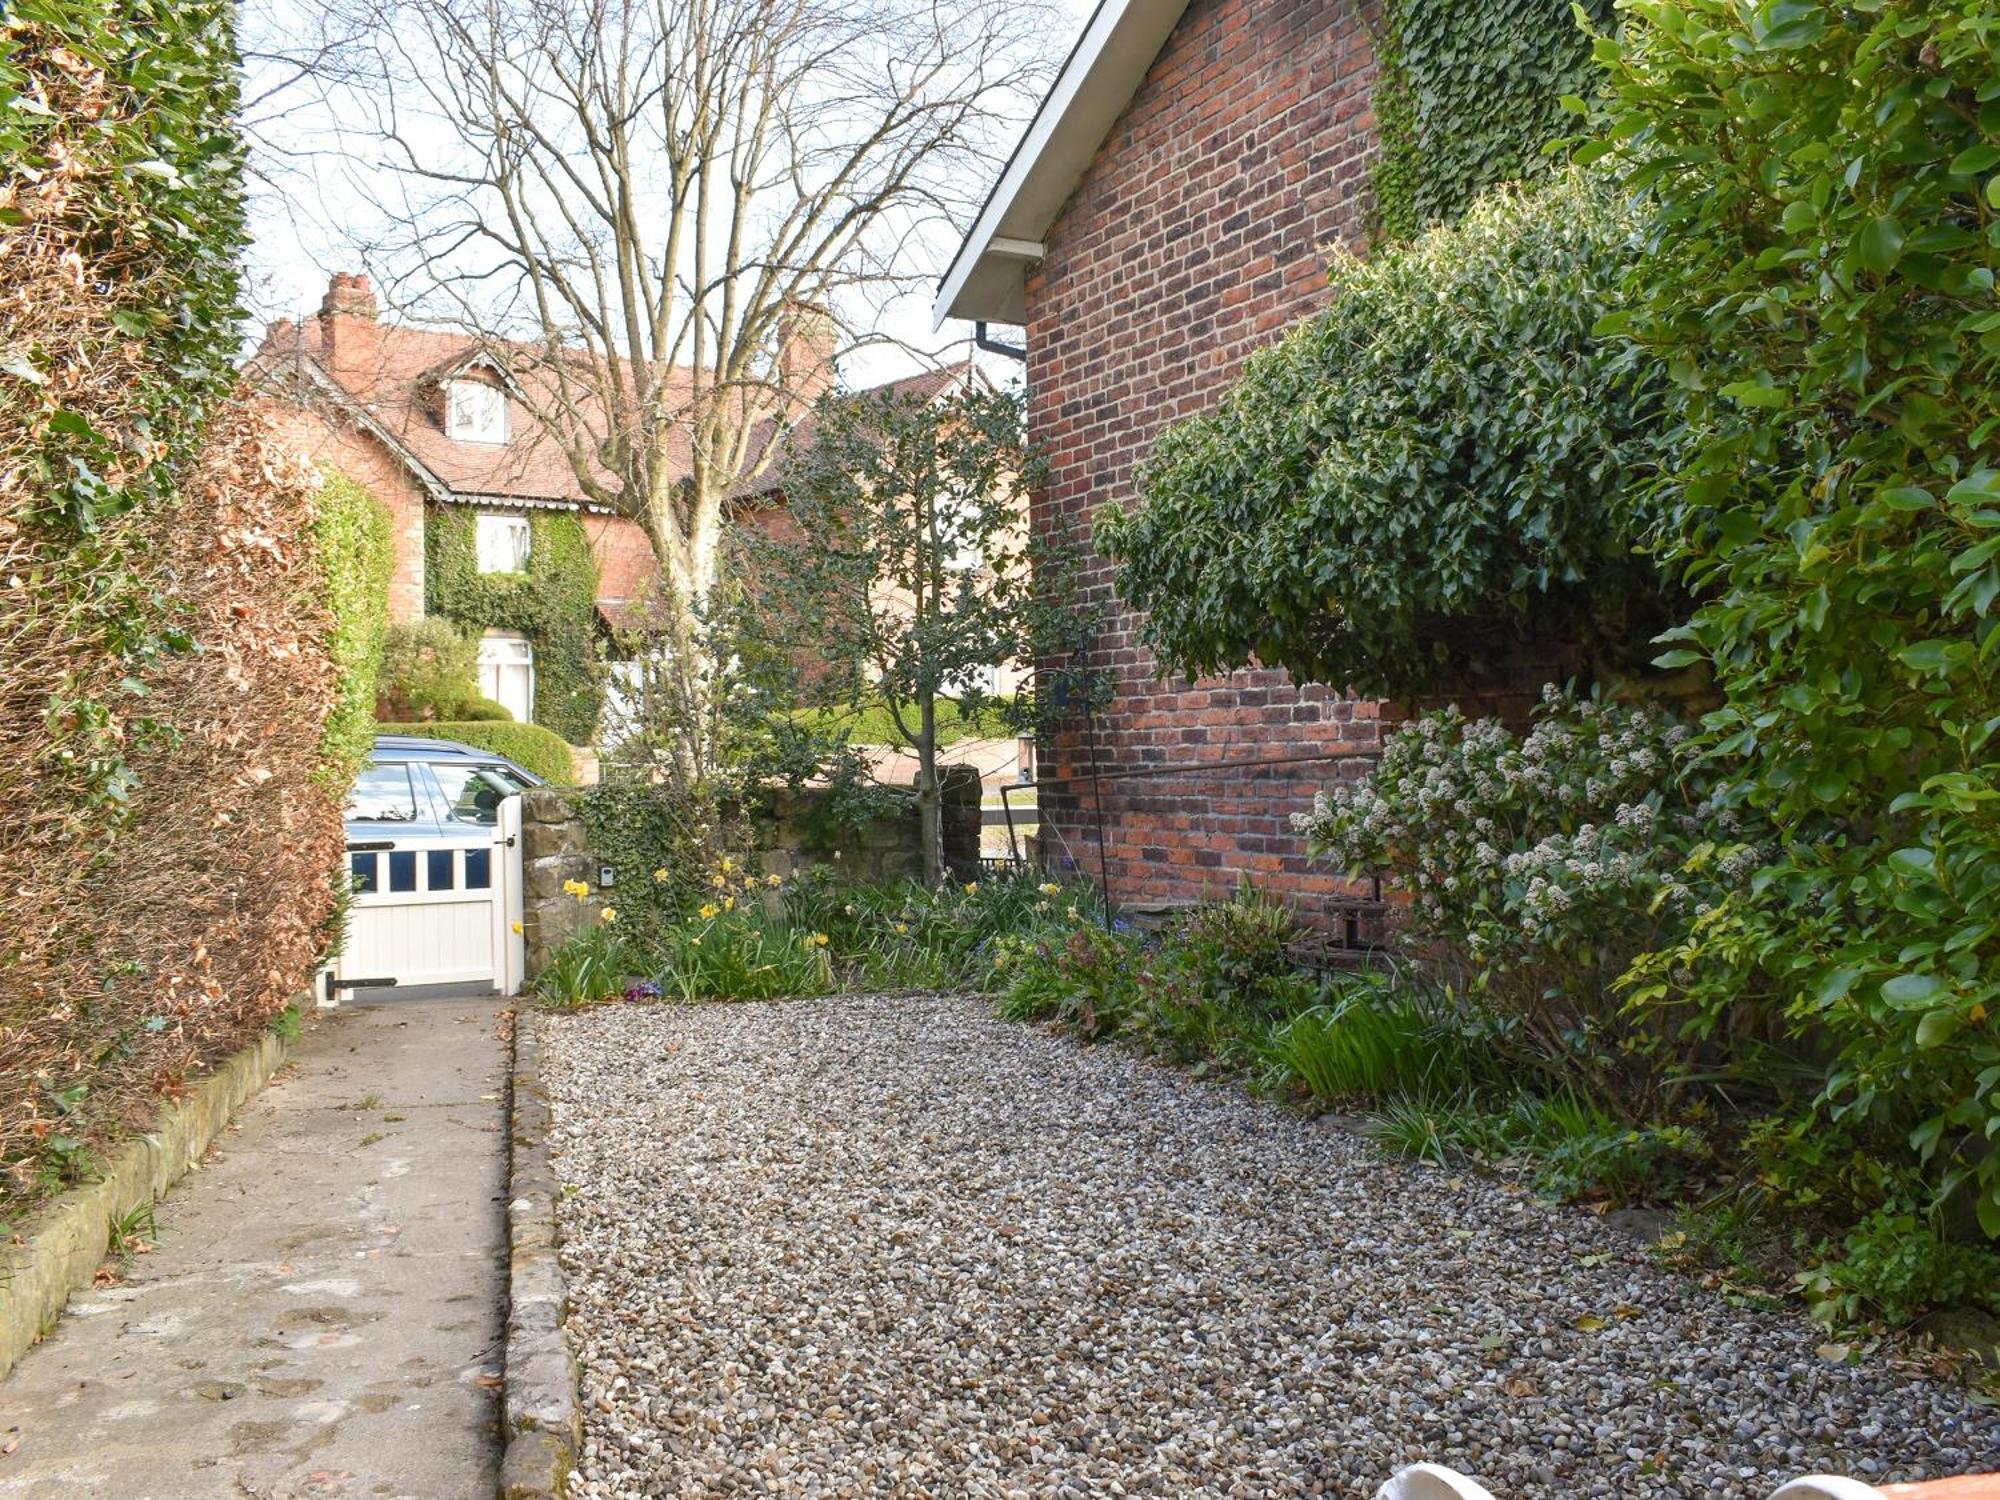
x=307, y=212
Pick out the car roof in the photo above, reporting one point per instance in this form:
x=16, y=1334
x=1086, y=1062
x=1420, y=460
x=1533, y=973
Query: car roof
x=419, y=747
x=431, y=747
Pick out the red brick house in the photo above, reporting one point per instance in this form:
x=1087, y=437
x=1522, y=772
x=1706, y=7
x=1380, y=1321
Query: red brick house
x=423, y=418
x=1166, y=214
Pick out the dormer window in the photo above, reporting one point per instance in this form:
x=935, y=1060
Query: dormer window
x=503, y=544
x=475, y=412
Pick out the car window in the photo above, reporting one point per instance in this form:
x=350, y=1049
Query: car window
x=383, y=794
x=472, y=794
x=508, y=777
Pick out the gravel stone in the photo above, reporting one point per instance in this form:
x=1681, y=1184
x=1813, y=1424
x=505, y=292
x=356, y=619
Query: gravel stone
x=891, y=1246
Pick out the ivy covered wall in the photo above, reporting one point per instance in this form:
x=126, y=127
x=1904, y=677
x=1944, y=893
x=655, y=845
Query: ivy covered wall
x=1468, y=94
x=553, y=604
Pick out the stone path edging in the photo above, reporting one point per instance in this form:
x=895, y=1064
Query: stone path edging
x=542, y=1416
x=70, y=1238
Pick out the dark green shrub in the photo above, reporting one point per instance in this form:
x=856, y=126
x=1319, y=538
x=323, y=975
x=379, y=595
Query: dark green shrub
x=1237, y=952
x=483, y=711
x=527, y=745
x=1084, y=979
x=1822, y=183
x=1896, y=1266
x=430, y=670
x=1439, y=466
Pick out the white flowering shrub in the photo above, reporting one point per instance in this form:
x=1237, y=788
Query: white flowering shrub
x=1546, y=862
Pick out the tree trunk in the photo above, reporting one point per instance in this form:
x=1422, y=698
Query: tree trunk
x=930, y=795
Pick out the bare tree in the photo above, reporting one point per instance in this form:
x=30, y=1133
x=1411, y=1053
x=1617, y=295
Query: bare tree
x=663, y=212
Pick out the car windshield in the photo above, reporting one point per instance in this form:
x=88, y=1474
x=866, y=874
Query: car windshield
x=472, y=794
x=383, y=793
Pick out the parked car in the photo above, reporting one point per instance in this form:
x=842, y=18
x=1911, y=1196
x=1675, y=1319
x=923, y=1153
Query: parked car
x=414, y=787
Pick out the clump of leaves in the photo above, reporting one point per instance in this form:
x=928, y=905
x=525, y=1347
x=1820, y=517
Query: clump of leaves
x=1441, y=464
x=1822, y=182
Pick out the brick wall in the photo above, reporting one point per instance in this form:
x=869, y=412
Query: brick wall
x=335, y=445
x=1195, y=237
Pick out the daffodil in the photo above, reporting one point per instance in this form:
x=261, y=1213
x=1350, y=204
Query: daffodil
x=609, y=913
x=1049, y=888
x=902, y=928
x=972, y=888
x=820, y=940
x=717, y=881
x=660, y=875
x=708, y=910
x=577, y=889
x=728, y=864
x=729, y=903
x=773, y=881
x=694, y=942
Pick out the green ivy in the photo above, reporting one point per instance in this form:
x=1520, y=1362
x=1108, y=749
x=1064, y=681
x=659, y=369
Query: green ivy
x=1467, y=94
x=351, y=536
x=554, y=604
x=1431, y=471
x=667, y=850
x=1825, y=184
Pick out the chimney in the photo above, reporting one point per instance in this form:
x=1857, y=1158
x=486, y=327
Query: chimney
x=347, y=329
x=349, y=295
x=807, y=339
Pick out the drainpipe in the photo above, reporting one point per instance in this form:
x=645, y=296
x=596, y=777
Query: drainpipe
x=995, y=346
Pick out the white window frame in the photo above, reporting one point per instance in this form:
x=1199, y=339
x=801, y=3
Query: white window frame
x=501, y=651
x=503, y=542
x=475, y=411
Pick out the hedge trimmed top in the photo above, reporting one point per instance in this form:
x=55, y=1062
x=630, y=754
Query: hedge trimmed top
x=1434, y=468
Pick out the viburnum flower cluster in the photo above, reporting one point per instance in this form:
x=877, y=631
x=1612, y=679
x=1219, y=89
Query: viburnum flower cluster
x=1567, y=849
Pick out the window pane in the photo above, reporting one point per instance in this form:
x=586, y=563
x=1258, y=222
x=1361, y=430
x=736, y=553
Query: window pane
x=439, y=876
x=478, y=869
x=503, y=543
x=477, y=412
x=469, y=793
x=402, y=869
x=383, y=794
x=362, y=868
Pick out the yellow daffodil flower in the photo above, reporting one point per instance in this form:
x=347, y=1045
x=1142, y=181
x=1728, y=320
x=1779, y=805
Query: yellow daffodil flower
x=773, y=881
x=729, y=903
x=609, y=914
x=1049, y=888
x=660, y=875
x=972, y=888
x=708, y=910
x=902, y=927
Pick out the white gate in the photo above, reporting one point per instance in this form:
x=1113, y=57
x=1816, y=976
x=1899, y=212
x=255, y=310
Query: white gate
x=431, y=909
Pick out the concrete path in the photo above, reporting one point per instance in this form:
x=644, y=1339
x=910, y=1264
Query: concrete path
x=321, y=1315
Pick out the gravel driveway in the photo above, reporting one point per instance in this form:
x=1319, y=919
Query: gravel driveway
x=893, y=1247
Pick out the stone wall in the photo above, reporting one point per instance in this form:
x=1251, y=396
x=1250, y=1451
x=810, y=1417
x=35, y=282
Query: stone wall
x=789, y=835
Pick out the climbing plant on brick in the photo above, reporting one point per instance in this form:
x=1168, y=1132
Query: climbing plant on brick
x=553, y=603
x=1433, y=471
x=1467, y=94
